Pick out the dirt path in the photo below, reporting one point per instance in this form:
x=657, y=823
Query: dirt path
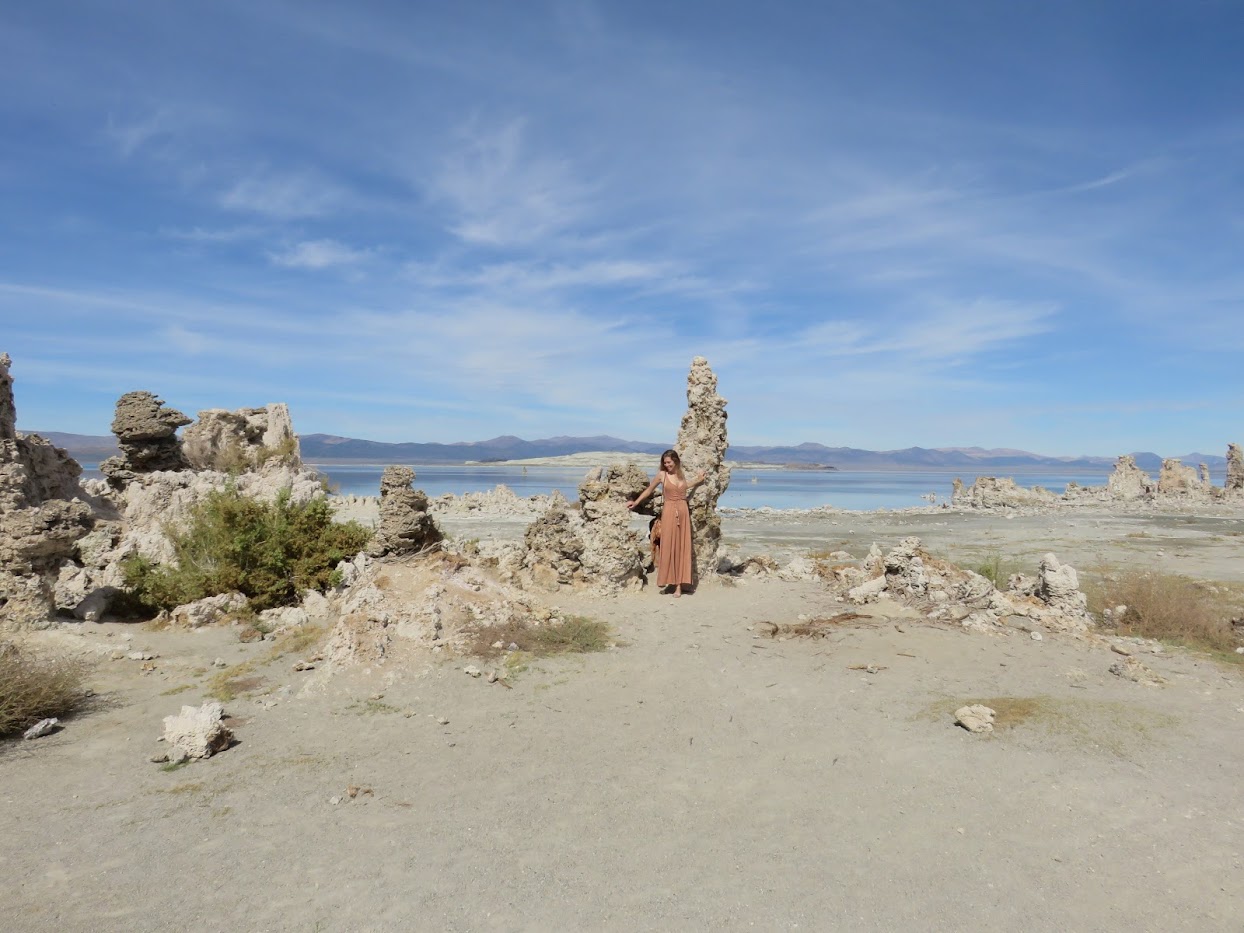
x=695, y=777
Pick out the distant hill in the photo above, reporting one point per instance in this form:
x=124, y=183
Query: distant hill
x=973, y=460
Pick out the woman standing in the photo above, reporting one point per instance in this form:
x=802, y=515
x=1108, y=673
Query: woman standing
x=674, y=558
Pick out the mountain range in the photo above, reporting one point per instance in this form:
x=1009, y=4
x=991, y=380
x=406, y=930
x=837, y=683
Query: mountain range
x=324, y=448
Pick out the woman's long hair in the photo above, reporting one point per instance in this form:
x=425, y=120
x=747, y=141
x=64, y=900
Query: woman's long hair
x=673, y=455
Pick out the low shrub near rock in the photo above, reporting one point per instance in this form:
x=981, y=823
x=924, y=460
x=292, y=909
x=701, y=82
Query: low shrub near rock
x=36, y=686
x=269, y=551
x=1170, y=608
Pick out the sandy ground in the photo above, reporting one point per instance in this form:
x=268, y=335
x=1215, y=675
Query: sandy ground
x=696, y=776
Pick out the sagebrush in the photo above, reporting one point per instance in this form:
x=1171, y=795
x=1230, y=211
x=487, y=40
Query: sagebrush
x=1171, y=608
x=268, y=551
x=36, y=686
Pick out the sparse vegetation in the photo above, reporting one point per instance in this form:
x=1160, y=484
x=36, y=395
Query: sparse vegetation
x=1171, y=608
x=997, y=569
x=573, y=635
x=36, y=686
x=269, y=551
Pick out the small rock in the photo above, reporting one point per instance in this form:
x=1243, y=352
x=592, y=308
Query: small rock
x=159, y=758
x=975, y=718
x=1037, y=636
x=442, y=720
x=41, y=728
x=220, y=662
x=492, y=677
x=1131, y=669
x=141, y=656
x=1120, y=649
x=334, y=800
x=498, y=644
x=512, y=647
x=471, y=670
x=1239, y=650
x=304, y=666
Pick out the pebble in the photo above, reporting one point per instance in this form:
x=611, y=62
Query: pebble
x=334, y=800
x=471, y=670
x=1037, y=636
x=141, y=656
x=219, y=662
x=442, y=720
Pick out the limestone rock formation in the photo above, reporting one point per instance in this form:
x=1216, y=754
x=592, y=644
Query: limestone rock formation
x=616, y=484
x=42, y=516
x=992, y=492
x=592, y=545
x=146, y=432
x=405, y=525
x=702, y=444
x=1235, y=469
x=1128, y=481
x=244, y=439
x=1058, y=587
x=946, y=592
x=1175, y=479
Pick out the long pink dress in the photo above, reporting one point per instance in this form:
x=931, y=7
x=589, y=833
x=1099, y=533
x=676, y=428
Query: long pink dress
x=674, y=563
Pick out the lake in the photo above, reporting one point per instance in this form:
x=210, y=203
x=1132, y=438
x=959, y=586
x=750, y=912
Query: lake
x=749, y=489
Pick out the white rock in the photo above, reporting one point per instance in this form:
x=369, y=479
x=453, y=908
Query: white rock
x=975, y=718
x=198, y=731
x=41, y=728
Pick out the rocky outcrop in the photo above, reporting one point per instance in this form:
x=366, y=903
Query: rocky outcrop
x=1235, y=469
x=405, y=524
x=608, y=486
x=702, y=444
x=42, y=516
x=245, y=439
x=1175, y=479
x=947, y=593
x=1128, y=481
x=146, y=432
x=993, y=492
x=592, y=545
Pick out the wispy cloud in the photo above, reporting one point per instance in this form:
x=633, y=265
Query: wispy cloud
x=283, y=195
x=499, y=193
x=318, y=254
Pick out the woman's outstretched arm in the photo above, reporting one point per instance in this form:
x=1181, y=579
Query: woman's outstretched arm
x=700, y=477
x=647, y=492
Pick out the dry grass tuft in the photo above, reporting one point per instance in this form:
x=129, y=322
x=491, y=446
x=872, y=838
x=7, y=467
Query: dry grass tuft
x=812, y=628
x=1172, y=609
x=574, y=635
x=36, y=686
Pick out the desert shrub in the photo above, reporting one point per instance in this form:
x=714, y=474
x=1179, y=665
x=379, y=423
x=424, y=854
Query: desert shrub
x=36, y=686
x=268, y=551
x=996, y=569
x=1170, y=608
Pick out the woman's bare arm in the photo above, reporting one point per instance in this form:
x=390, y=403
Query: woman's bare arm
x=660, y=477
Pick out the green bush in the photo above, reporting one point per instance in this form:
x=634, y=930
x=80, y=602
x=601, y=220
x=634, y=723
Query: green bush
x=268, y=551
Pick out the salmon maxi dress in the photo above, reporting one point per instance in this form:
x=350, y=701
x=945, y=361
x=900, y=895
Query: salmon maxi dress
x=674, y=562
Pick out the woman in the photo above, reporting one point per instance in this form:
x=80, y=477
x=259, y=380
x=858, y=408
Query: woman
x=674, y=557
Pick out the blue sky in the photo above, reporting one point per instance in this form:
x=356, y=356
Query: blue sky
x=885, y=224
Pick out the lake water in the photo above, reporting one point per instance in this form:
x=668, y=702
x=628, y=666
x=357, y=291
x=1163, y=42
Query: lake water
x=749, y=489
x=779, y=489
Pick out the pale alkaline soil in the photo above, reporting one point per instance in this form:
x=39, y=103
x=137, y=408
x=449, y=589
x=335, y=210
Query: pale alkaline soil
x=694, y=777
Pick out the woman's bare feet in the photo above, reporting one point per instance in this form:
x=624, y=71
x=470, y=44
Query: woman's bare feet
x=677, y=591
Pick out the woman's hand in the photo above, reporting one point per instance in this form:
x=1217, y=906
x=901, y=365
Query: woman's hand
x=701, y=478
x=631, y=503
